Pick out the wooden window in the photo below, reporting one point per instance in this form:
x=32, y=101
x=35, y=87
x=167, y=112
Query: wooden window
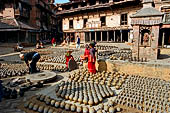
x=123, y=20
x=93, y=2
x=83, y=4
x=85, y=21
x=75, y=6
x=167, y=18
x=70, y=23
x=103, y=21
x=103, y=1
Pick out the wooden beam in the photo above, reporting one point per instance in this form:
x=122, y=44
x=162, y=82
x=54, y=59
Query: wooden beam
x=95, y=36
x=90, y=36
x=101, y=36
x=163, y=39
x=114, y=36
x=121, y=38
x=128, y=35
x=107, y=36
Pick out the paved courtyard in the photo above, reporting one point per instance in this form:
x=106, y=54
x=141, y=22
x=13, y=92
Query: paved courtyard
x=11, y=105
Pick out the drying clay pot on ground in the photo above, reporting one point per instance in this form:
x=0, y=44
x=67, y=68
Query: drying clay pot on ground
x=148, y=94
x=82, y=92
x=104, y=78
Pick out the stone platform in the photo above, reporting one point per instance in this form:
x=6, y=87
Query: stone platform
x=145, y=69
x=42, y=76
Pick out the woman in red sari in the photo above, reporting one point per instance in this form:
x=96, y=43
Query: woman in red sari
x=92, y=59
x=68, y=57
x=86, y=53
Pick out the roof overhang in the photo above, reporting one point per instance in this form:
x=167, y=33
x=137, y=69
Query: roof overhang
x=165, y=26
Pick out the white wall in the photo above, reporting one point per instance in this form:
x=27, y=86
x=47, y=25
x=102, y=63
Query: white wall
x=65, y=24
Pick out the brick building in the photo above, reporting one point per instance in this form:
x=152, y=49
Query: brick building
x=108, y=20
x=26, y=20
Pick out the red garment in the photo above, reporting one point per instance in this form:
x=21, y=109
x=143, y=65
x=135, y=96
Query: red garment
x=53, y=41
x=91, y=64
x=91, y=67
x=68, y=58
x=86, y=53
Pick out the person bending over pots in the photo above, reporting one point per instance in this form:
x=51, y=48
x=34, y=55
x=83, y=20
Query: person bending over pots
x=33, y=57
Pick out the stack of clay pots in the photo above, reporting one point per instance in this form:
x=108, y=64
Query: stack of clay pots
x=116, y=54
x=145, y=94
x=58, y=68
x=11, y=70
x=105, y=47
x=83, y=92
x=52, y=105
x=56, y=59
x=108, y=78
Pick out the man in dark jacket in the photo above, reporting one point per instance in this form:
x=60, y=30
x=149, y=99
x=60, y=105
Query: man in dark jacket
x=33, y=57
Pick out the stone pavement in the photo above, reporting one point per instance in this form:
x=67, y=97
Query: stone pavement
x=10, y=105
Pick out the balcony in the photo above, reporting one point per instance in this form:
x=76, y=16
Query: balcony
x=96, y=24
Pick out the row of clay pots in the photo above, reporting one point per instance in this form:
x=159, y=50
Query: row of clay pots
x=107, y=78
x=57, y=59
x=12, y=70
x=145, y=91
x=52, y=67
x=105, y=47
x=83, y=92
x=68, y=107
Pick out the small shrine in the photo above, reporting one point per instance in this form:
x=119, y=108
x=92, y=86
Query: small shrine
x=146, y=25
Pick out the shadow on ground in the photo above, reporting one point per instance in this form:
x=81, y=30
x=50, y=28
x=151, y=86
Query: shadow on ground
x=164, y=56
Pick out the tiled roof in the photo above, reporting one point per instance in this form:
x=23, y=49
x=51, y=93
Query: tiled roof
x=147, y=12
x=8, y=24
x=13, y=24
x=25, y=26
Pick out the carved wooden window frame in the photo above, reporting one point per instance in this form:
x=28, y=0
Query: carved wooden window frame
x=124, y=19
x=71, y=24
